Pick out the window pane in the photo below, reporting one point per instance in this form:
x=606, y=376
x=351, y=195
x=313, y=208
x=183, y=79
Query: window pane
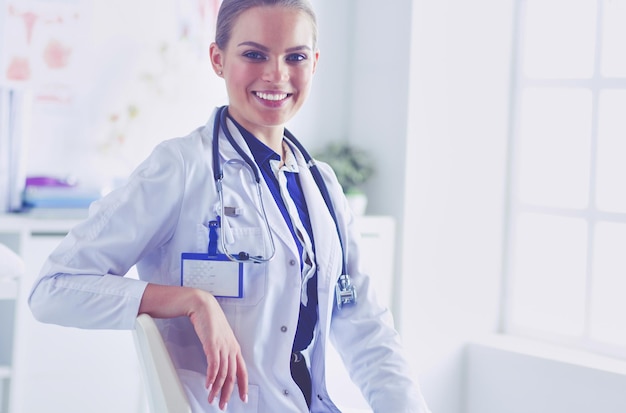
x=611, y=167
x=554, y=144
x=608, y=306
x=549, y=261
x=559, y=38
x=614, y=38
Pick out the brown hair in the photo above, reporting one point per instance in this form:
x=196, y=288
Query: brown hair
x=230, y=10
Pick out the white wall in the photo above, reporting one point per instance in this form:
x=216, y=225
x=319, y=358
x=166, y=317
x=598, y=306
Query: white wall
x=360, y=91
x=455, y=187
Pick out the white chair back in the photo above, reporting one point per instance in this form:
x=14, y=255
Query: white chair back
x=163, y=386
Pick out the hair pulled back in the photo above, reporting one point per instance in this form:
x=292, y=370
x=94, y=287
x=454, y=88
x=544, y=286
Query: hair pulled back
x=230, y=10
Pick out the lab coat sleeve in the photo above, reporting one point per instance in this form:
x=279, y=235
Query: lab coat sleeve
x=82, y=283
x=364, y=335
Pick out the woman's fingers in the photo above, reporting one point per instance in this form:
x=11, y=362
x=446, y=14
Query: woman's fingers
x=213, y=366
x=219, y=379
x=228, y=381
x=222, y=376
x=242, y=378
x=216, y=376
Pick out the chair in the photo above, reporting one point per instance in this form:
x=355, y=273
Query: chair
x=163, y=386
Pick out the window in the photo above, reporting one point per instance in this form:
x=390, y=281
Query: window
x=566, y=242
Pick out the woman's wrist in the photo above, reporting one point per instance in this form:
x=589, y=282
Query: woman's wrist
x=197, y=301
x=167, y=301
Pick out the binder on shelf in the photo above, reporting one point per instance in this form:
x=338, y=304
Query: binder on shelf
x=13, y=111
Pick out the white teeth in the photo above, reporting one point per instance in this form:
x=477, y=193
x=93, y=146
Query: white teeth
x=269, y=96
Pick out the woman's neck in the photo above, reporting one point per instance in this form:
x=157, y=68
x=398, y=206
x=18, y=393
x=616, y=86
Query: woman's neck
x=273, y=139
x=271, y=136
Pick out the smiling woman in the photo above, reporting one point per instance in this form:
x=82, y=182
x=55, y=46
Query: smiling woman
x=247, y=332
x=268, y=76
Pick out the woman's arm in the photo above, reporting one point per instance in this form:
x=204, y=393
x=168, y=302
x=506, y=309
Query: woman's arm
x=225, y=361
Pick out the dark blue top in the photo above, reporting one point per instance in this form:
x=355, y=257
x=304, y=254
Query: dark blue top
x=262, y=156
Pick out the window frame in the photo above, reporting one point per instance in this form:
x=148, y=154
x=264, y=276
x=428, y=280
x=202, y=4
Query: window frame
x=514, y=206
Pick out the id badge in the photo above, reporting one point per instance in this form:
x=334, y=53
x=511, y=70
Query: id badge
x=213, y=273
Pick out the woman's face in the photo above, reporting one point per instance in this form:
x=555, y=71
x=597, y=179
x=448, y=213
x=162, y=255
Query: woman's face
x=268, y=66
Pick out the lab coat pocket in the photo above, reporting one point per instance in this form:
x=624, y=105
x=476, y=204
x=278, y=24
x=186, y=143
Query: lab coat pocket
x=197, y=395
x=250, y=240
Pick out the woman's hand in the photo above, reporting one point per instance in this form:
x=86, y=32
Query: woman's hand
x=225, y=362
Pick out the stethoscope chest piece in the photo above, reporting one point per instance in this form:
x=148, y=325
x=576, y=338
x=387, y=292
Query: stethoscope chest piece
x=345, y=291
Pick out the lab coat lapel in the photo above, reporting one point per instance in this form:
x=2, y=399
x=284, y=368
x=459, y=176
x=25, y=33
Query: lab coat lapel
x=278, y=226
x=328, y=253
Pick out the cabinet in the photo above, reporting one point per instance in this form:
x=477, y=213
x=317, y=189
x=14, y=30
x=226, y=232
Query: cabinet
x=377, y=260
x=56, y=368
x=9, y=276
x=70, y=370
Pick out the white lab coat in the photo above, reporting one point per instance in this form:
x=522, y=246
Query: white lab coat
x=162, y=212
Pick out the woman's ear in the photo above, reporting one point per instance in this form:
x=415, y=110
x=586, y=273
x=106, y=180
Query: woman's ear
x=316, y=58
x=217, y=59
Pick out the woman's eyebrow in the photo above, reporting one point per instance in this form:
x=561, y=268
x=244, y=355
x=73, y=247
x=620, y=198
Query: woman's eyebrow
x=298, y=48
x=255, y=45
x=266, y=49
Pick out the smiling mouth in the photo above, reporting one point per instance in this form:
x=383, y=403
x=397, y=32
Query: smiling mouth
x=274, y=97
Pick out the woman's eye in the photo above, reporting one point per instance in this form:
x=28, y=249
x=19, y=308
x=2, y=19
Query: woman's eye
x=296, y=57
x=254, y=55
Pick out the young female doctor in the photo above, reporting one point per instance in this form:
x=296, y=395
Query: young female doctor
x=240, y=245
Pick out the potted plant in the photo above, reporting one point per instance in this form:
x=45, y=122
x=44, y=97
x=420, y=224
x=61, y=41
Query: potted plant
x=353, y=167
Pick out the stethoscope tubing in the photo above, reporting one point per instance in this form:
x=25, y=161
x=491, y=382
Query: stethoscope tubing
x=220, y=123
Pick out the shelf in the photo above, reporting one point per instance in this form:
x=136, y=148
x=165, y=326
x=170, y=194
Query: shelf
x=24, y=223
x=5, y=372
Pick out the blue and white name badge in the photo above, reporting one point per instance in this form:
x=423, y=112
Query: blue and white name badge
x=213, y=273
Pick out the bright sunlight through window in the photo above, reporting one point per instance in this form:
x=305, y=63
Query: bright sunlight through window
x=566, y=243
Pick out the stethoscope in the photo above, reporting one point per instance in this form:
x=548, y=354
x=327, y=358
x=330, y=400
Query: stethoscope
x=345, y=291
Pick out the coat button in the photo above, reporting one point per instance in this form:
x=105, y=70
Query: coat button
x=286, y=392
x=292, y=262
x=283, y=329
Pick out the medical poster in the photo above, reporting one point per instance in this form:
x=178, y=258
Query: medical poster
x=40, y=48
x=107, y=80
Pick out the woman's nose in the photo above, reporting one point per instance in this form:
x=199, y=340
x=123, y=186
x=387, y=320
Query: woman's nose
x=276, y=71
